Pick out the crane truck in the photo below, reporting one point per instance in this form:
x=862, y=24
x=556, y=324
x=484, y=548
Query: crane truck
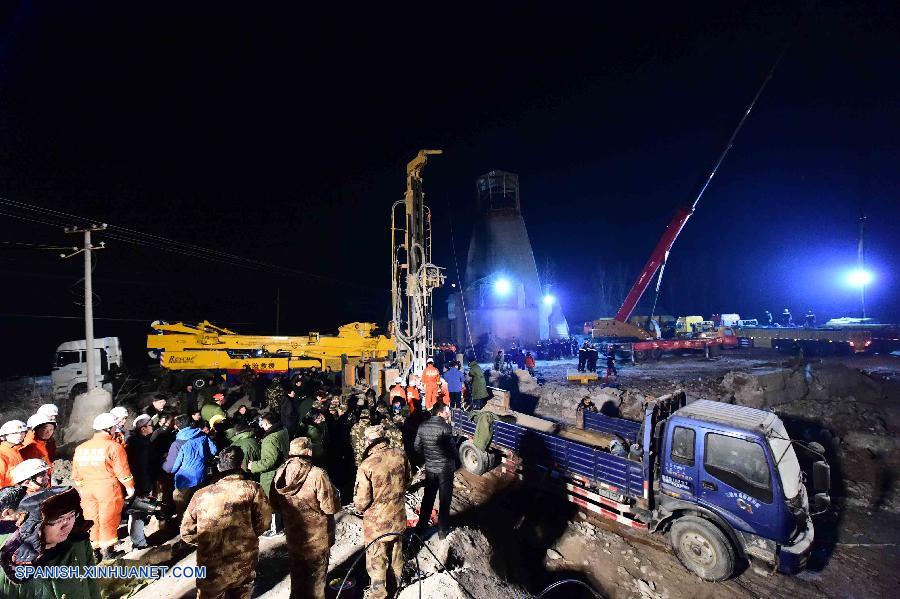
x=722, y=482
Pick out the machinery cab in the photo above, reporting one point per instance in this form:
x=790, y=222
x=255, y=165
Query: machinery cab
x=737, y=465
x=687, y=326
x=69, y=371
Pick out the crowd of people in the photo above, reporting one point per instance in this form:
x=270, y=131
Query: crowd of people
x=224, y=466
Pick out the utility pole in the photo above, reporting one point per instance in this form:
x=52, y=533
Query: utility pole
x=861, y=260
x=88, y=298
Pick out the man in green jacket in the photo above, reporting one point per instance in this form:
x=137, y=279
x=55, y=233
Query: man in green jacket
x=478, y=387
x=214, y=408
x=273, y=453
x=245, y=439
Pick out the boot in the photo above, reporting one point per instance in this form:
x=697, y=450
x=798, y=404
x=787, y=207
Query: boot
x=110, y=553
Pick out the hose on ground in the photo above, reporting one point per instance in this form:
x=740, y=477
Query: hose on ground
x=560, y=583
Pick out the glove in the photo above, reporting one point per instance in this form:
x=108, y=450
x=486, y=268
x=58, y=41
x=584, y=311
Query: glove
x=129, y=493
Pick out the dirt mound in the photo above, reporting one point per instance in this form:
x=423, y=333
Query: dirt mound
x=464, y=560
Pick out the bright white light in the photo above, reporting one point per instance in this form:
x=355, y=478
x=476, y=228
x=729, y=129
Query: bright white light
x=859, y=277
x=502, y=286
x=549, y=299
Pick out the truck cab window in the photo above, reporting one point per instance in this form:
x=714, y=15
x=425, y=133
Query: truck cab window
x=683, y=445
x=740, y=464
x=64, y=358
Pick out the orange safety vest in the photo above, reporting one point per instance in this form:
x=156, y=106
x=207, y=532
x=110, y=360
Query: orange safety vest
x=412, y=398
x=37, y=448
x=101, y=461
x=9, y=459
x=50, y=443
x=431, y=376
x=398, y=391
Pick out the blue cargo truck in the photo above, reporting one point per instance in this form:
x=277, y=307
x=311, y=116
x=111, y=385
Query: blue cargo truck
x=722, y=481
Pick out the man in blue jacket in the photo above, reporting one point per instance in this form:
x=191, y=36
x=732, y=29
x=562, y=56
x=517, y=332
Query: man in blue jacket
x=193, y=451
x=454, y=378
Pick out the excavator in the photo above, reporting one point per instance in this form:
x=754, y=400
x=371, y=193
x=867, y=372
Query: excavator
x=358, y=351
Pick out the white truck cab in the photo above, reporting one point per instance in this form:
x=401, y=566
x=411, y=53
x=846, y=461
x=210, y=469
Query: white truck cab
x=69, y=372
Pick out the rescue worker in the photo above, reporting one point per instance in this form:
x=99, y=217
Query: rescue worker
x=53, y=535
x=810, y=320
x=12, y=435
x=156, y=408
x=591, y=355
x=313, y=428
x=33, y=475
x=413, y=396
x=51, y=412
x=498, y=361
x=273, y=453
x=121, y=415
x=582, y=356
x=40, y=431
x=358, y=436
x=431, y=378
x=308, y=502
x=380, y=494
x=477, y=385
x=767, y=319
x=214, y=408
x=397, y=390
x=100, y=470
x=290, y=416
x=434, y=441
x=224, y=521
x=529, y=363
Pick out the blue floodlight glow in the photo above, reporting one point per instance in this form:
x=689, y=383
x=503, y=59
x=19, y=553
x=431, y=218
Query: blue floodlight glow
x=502, y=286
x=549, y=299
x=859, y=277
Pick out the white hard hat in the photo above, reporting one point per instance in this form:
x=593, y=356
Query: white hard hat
x=12, y=427
x=104, y=421
x=398, y=380
x=35, y=420
x=429, y=361
x=27, y=469
x=49, y=409
x=119, y=412
x=141, y=421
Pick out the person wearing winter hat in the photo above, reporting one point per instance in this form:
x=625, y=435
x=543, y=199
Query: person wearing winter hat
x=33, y=475
x=41, y=428
x=12, y=435
x=308, y=501
x=10, y=497
x=53, y=533
x=142, y=461
x=100, y=470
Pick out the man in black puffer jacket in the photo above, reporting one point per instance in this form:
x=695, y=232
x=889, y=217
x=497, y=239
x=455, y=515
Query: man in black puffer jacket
x=434, y=440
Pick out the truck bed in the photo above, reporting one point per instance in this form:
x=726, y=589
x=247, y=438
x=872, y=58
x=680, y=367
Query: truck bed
x=595, y=421
x=560, y=456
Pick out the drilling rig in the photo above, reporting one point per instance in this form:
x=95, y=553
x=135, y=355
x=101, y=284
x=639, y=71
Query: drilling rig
x=413, y=276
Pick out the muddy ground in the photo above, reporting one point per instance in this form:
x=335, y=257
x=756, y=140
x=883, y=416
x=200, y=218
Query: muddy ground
x=512, y=542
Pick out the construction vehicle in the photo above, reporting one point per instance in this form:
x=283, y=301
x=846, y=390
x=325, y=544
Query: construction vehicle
x=197, y=350
x=68, y=375
x=648, y=339
x=723, y=482
x=357, y=351
x=821, y=340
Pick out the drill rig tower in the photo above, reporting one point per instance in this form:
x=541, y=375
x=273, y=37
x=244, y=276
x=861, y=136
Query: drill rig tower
x=413, y=276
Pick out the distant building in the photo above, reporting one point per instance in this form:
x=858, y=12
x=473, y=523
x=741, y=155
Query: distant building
x=504, y=300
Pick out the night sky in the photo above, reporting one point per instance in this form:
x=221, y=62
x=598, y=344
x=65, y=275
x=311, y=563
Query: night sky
x=281, y=135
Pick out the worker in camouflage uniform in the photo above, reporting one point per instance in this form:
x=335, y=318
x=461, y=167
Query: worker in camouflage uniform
x=308, y=501
x=224, y=521
x=358, y=437
x=274, y=395
x=380, y=493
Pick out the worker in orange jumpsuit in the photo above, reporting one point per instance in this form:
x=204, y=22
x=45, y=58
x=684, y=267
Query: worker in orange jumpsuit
x=51, y=412
x=12, y=435
x=398, y=390
x=37, y=441
x=413, y=396
x=431, y=378
x=100, y=470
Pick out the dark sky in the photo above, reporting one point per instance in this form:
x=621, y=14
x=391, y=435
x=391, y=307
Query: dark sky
x=281, y=135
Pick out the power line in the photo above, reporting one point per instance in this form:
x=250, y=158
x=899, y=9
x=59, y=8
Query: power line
x=135, y=237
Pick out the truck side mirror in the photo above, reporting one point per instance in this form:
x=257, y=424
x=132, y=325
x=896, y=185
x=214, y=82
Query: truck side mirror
x=821, y=477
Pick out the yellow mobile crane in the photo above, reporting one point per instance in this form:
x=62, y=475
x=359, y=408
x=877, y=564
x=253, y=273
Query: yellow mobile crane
x=200, y=349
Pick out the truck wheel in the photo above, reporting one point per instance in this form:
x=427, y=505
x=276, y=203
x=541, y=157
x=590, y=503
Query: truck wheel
x=473, y=459
x=640, y=355
x=702, y=548
x=657, y=354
